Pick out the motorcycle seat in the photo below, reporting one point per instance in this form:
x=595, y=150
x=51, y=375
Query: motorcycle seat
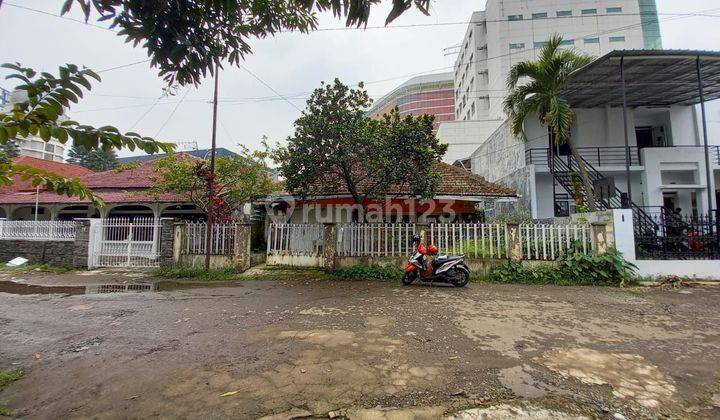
x=444, y=258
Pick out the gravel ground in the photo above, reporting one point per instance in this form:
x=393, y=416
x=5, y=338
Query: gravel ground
x=309, y=346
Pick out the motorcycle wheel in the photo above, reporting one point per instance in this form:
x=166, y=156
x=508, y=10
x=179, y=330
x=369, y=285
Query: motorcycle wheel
x=408, y=278
x=461, y=278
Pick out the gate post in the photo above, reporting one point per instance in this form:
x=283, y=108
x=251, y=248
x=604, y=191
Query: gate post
x=330, y=246
x=421, y=228
x=167, y=236
x=81, y=252
x=513, y=240
x=243, y=237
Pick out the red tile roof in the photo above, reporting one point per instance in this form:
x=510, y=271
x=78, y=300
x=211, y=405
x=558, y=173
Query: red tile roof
x=453, y=181
x=68, y=170
x=139, y=177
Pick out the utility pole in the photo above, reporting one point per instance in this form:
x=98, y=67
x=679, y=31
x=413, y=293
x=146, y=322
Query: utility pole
x=211, y=176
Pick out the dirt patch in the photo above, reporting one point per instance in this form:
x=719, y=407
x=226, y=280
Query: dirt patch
x=630, y=375
x=510, y=412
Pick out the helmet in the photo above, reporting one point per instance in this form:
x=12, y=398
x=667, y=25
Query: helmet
x=416, y=238
x=432, y=249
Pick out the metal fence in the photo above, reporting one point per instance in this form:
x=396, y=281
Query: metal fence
x=125, y=242
x=222, y=241
x=475, y=240
x=550, y=241
x=680, y=237
x=381, y=239
x=37, y=230
x=307, y=239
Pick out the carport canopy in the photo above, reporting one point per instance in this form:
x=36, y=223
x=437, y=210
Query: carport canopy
x=652, y=78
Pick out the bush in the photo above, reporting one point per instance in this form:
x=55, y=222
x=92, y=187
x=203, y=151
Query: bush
x=609, y=269
x=196, y=273
x=366, y=272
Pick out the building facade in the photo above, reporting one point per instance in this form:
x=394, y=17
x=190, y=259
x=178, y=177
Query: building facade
x=32, y=146
x=427, y=94
x=509, y=31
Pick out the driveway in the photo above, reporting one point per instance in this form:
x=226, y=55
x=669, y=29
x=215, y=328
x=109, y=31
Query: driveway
x=310, y=346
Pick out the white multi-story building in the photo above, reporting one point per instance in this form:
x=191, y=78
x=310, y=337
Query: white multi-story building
x=509, y=31
x=33, y=146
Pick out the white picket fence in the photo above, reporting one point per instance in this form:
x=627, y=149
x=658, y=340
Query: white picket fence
x=222, y=240
x=124, y=242
x=381, y=239
x=37, y=230
x=475, y=240
x=550, y=241
x=295, y=238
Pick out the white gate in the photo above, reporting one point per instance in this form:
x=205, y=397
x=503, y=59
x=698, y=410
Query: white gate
x=124, y=242
x=299, y=245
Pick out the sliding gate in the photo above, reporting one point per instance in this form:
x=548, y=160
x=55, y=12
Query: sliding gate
x=124, y=242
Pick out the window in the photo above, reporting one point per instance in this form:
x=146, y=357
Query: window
x=561, y=13
x=518, y=46
x=614, y=10
x=592, y=40
x=542, y=15
x=617, y=39
x=515, y=17
x=589, y=11
x=540, y=44
x=568, y=42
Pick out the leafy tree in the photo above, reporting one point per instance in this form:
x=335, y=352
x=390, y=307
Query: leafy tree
x=8, y=151
x=185, y=39
x=336, y=145
x=237, y=180
x=538, y=95
x=48, y=98
x=94, y=159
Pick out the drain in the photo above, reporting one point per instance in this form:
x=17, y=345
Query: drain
x=119, y=288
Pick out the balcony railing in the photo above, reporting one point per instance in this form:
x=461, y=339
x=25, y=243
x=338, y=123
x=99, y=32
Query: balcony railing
x=606, y=156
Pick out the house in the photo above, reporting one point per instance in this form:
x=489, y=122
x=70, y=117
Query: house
x=659, y=158
x=125, y=192
x=459, y=196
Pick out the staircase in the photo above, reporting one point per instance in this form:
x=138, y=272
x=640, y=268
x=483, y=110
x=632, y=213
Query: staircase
x=565, y=166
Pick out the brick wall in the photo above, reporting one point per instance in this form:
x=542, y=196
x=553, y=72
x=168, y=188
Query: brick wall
x=58, y=253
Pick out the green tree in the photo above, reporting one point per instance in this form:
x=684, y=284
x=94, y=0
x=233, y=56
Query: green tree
x=185, y=39
x=8, y=151
x=336, y=145
x=533, y=90
x=48, y=98
x=95, y=159
x=237, y=181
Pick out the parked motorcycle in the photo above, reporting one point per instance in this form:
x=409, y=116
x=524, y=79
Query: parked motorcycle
x=443, y=269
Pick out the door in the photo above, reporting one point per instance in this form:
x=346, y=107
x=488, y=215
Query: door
x=644, y=136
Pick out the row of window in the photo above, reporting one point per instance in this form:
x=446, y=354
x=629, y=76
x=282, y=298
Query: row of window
x=565, y=13
x=521, y=45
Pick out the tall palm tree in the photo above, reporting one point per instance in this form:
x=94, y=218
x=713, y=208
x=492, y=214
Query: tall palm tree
x=533, y=90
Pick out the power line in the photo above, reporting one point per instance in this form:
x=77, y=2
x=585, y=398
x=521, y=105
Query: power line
x=270, y=87
x=187, y=90
x=30, y=9
x=124, y=66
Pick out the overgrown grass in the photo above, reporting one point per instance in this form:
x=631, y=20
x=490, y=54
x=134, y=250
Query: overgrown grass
x=8, y=376
x=26, y=268
x=370, y=272
x=196, y=273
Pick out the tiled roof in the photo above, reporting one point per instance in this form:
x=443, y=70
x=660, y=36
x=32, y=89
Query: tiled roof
x=47, y=197
x=59, y=168
x=453, y=181
x=201, y=154
x=139, y=177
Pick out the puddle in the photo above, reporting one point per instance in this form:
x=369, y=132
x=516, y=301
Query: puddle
x=93, y=289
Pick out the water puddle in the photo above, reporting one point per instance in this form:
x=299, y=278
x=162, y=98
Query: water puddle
x=92, y=289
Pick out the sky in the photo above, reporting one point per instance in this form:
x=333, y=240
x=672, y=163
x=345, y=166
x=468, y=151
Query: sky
x=291, y=64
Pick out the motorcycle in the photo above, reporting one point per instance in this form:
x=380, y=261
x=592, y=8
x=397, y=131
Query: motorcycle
x=443, y=269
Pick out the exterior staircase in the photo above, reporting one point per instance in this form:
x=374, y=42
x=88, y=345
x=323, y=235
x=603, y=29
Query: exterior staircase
x=566, y=166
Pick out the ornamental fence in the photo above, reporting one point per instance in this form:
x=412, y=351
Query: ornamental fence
x=37, y=230
x=381, y=239
x=222, y=241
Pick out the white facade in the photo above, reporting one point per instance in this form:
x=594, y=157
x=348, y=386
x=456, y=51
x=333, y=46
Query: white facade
x=509, y=31
x=41, y=149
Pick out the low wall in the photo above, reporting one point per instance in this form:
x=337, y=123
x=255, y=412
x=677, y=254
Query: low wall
x=700, y=269
x=296, y=260
x=477, y=266
x=58, y=253
x=216, y=261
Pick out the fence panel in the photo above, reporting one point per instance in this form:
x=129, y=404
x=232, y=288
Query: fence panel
x=475, y=240
x=296, y=238
x=125, y=242
x=38, y=230
x=222, y=242
x=377, y=239
x=544, y=241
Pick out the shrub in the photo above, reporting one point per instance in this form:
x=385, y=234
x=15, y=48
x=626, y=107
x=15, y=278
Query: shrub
x=366, y=272
x=609, y=269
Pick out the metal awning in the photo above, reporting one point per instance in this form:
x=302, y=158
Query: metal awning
x=652, y=78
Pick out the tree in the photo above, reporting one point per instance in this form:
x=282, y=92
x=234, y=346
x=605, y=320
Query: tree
x=237, y=181
x=48, y=98
x=94, y=159
x=8, y=151
x=336, y=144
x=186, y=39
x=538, y=95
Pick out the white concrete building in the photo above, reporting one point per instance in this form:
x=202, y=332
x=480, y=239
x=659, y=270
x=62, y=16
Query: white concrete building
x=32, y=146
x=509, y=31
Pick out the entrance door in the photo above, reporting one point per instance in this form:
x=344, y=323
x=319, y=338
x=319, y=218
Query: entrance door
x=644, y=137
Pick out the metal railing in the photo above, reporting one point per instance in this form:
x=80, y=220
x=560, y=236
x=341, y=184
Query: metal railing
x=680, y=237
x=222, y=241
x=606, y=155
x=299, y=239
x=37, y=230
x=375, y=239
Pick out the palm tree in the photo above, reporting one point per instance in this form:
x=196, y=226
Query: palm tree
x=537, y=95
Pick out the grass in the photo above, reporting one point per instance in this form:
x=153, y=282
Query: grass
x=370, y=272
x=7, y=377
x=26, y=268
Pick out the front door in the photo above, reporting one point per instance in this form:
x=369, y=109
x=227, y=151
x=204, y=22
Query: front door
x=644, y=137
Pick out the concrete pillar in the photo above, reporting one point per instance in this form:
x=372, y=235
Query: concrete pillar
x=179, y=232
x=423, y=230
x=243, y=238
x=54, y=212
x=167, y=235
x=330, y=246
x=82, y=243
x=514, y=242
x=599, y=232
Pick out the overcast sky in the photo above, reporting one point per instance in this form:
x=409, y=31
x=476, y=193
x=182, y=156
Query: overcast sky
x=292, y=64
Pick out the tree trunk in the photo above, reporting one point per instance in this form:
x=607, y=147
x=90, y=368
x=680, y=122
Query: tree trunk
x=589, y=195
